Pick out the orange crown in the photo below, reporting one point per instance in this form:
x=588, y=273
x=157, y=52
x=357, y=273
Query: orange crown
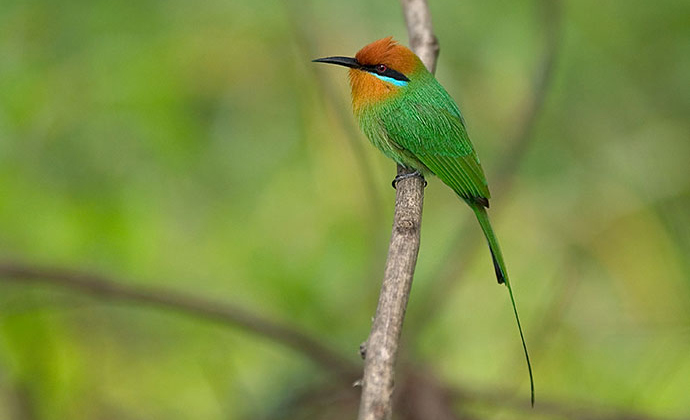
x=387, y=51
x=367, y=88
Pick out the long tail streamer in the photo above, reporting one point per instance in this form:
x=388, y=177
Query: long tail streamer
x=502, y=276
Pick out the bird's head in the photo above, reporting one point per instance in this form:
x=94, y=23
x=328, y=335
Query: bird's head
x=378, y=71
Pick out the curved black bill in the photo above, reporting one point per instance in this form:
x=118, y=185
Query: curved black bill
x=341, y=61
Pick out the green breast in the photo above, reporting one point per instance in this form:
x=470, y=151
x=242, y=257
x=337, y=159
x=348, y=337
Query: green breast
x=421, y=127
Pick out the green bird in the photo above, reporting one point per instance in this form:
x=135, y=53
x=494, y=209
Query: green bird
x=409, y=116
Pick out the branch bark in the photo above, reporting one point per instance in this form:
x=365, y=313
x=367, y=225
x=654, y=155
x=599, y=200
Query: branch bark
x=381, y=348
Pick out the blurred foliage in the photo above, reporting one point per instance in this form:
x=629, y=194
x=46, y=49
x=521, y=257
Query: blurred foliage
x=192, y=145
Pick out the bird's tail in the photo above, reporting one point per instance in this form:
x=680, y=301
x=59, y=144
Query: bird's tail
x=502, y=276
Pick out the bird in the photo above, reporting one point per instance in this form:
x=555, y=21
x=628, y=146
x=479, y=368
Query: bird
x=406, y=113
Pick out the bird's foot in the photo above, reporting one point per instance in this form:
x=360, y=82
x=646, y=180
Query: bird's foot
x=399, y=178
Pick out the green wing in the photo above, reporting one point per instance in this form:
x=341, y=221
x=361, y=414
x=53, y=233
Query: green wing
x=427, y=124
x=436, y=136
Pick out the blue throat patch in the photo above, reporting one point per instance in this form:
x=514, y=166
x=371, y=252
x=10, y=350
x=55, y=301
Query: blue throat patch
x=396, y=82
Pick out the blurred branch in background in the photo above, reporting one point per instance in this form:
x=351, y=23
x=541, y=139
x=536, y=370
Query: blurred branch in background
x=530, y=110
x=417, y=386
x=301, y=17
x=421, y=396
x=21, y=404
x=501, y=179
x=546, y=408
x=106, y=288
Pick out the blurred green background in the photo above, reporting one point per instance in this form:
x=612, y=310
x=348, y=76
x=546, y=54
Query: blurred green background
x=193, y=146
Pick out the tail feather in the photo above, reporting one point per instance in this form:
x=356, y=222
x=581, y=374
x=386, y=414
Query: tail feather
x=497, y=267
x=502, y=276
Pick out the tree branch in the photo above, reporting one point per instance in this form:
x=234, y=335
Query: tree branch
x=381, y=348
x=105, y=288
x=422, y=39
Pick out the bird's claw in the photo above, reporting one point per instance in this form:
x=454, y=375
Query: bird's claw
x=399, y=178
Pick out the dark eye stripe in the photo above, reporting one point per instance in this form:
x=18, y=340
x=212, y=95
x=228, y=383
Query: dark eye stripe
x=388, y=73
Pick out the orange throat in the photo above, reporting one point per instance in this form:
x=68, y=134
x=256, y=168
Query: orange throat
x=367, y=89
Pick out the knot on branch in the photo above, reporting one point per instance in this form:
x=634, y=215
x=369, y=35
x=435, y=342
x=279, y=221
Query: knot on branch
x=407, y=227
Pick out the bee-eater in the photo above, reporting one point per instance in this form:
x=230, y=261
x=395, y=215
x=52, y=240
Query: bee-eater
x=409, y=116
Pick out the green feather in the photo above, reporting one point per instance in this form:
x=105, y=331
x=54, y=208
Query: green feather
x=502, y=276
x=422, y=128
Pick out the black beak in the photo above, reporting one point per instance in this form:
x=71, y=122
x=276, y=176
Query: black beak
x=341, y=61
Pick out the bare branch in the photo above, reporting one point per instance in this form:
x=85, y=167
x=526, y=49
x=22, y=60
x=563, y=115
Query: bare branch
x=105, y=288
x=422, y=39
x=382, y=345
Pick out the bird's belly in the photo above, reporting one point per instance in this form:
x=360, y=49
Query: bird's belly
x=375, y=131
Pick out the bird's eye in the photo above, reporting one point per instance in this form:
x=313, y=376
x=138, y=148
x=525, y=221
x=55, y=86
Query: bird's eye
x=381, y=68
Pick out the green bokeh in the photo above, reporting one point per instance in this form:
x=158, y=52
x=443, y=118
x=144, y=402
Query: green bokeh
x=194, y=146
